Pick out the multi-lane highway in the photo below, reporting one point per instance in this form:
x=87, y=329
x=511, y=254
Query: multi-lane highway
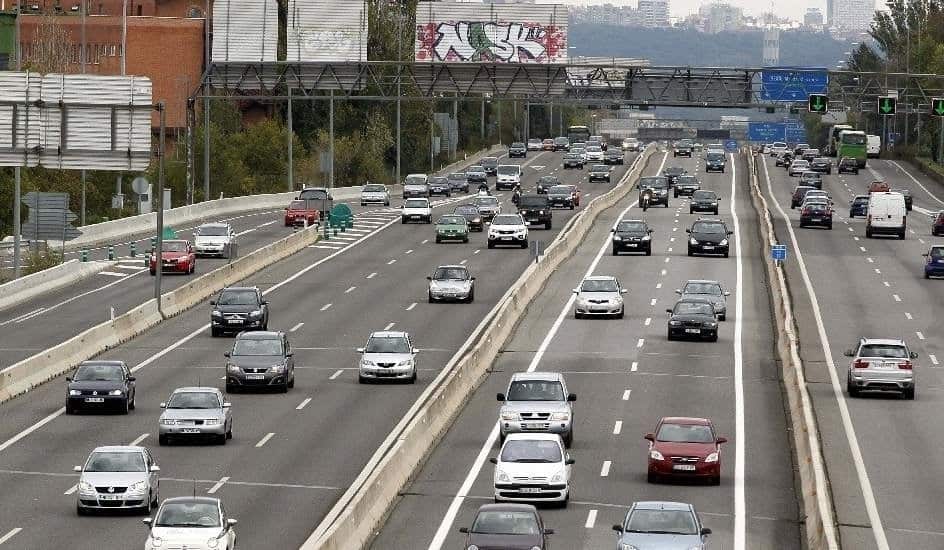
x=627, y=375
x=883, y=454
x=292, y=455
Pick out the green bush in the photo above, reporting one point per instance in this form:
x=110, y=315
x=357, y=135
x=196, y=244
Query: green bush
x=38, y=261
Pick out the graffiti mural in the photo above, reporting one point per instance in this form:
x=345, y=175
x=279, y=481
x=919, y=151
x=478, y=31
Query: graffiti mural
x=489, y=41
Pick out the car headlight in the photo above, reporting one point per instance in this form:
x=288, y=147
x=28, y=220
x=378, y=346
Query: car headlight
x=502, y=476
x=116, y=392
x=86, y=487
x=255, y=313
x=215, y=313
x=138, y=487
x=724, y=242
x=711, y=324
x=477, y=220
x=627, y=546
x=617, y=238
x=368, y=363
x=75, y=392
x=157, y=542
x=509, y=416
x=535, y=548
x=541, y=212
x=232, y=368
x=277, y=368
x=675, y=323
x=713, y=457
x=405, y=363
x=655, y=455
x=212, y=422
x=472, y=547
x=693, y=240
x=168, y=422
x=646, y=237
x=213, y=543
x=560, y=416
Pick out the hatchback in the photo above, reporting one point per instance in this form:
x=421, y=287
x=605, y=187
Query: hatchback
x=686, y=448
x=506, y=526
x=664, y=525
x=934, y=262
x=117, y=478
x=100, y=385
x=816, y=214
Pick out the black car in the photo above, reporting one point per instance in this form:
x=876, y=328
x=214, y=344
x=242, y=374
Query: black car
x=859, y=206
x=100, y=385
x=937, y=225
x=573, y=160
x=535, y=209
x=672, y=173
x=491, y=165
x=816, y=214
x=518, y=149
x=683, y=148
x=813, y=179
x=237, y=309
x=848, y=165
x=472, y=215
x=261, y=360
x=704, y=201
x=822, y=165
x=658, y=188
x=909, y=200
x=476, y=174
x=686, y=185
x=562, y=196
x=693, y=318
x=459, y=181
x=613, y=156
x=599, y=172
x=561, y=144
x=708, y=237
x=632, y=236
x=545, y=183
x=507, y=526
x=439, y=185
x=715, y=161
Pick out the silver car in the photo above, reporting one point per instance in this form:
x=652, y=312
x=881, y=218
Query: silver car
x=215, y=239
x=488, y=206
x=196, y=412
x=599, y=295
x=375, y=193
x=388, y=355
x=709, y=290
x=451, y=282
x=662, y=525
x=537, y=402
x=881, y=364
x=117, y=478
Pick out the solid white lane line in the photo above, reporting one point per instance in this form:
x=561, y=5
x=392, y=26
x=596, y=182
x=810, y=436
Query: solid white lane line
x=372, y=275
x=350, y=290
x=138, y=440
x=36, y=313
x=411, y=306
x=907, y=173
x=908, y=316
x=605, y=470
x=920, y=335
x=591, y=519
x=617, y=427
x=933, y=359
x=241, y=233
x=896, y=297
x=323, y=247
x=10, y=534
x=640, y=343
x=389, y=326
x=23, y=316
x=296, y=327
x=634, y=367
x=130, y=267
x=265, y=439
x=112, y=274
x=266, y=224
x=218, y=485
x=740, y=530
x=337, y=373
x=304, y=403
x=878, y=530
x=445, y=527
x=326, y=307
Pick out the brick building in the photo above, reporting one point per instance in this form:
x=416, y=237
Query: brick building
x=147, y=8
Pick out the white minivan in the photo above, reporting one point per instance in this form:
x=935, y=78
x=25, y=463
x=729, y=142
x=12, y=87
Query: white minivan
x=873, y=146
x=886, y=214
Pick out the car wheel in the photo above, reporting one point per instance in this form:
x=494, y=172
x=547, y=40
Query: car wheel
x=70, y=409
x=569, y=438
x=691, y=211
x=615, y=251
x=361, y=379
x=802, y=225
x=675, y=193
x=649, y=250
x=387, y=203
x=438, y=240
x=471, y=297
x=429, y=297
x=283, y=388
x=413, y=378
x=163, y=440
x=652, y=478
x=868, y=233
x=714, y=338
x=123, y=407
x=230, y=388
x=291, y=381
x=491, y=245
x=830, y=226
x=221, y=439
x=152, y=272
x=131, y=405
x=725, y=254
x=851, y=215
x=668, y=336
x=716, y=480
x=690, y=253
x=547, y=225
x=229, y=432
x=524, y=244
x=465, y=240
x=79, y=511
x=723, y=317
x=901, y=235
x=402, y=220
x=909, y=394
x=851, y=389
x=578, y=315
x=621, y=313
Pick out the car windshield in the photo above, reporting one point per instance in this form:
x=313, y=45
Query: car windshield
x=599, y=168
x=548, y=180
x=710, y=228
x=714, y=289
x=505, y=523
x=193, y=400
x=779, y=145
x=675, y=522
x=415, y=203
x=685, y=433
x=508, y=170
x=535, y=390
x=438, y=180
x=861, y=200
x=374, y=188
x=936, y=253
x=489, y=161
x=537, y=201
x=467, y=210
x=687, y=180
x=451, y=274
x=457, y=176
x=387, y=344
x=451, y=220
x=594, y=149
x=631, y=227
x=116, y=461
x=212, y=230
x=561, y=140
x=507, y=219
x=704, y=196
x=559, y=190
x=800, y=162
x=599, y=285
x=415, y=180
x=653, y=182
x=487, y=201
x=238, y=298
x=175, y=246
x=674, y=170
x=538, y=451
x=99, y=373
x=810, y=176
x=476, y=169
x=257, y=346
x=715, y=156
x=313, y=194
x=812, y=152
x=891, y=351
x=188, y=514
x=693, y=308
x=572, y=155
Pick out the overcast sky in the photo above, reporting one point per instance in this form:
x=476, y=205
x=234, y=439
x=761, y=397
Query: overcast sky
x=680, y=8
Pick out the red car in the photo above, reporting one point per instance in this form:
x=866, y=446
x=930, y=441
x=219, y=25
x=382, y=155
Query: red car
x=686, y=448
x=300, y=210
x=937, y=226
x=547, y=145
x=176, y=257
x=878, y=187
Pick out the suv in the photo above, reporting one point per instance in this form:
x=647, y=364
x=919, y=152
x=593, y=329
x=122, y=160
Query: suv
x=704, y=200
x=881, y=364
x=572, y=160
x=822, y=165
x=658, y=187
x=708, y=237
x=632, y=236
x=459, y=181
x=236, y=309
x=416, y=210
x=599, y=172
x=535, y=209
x=215, y=239
x=686, y=186
x=375, y=193
x=517, y=149
x=508, y=176
x=260, y=359
x=387, y=356
x=416, y=185
x=714, y=161
x=537, y=402
x=508, y=229
x=490, y=164
x=683, y=147
x=848, y=164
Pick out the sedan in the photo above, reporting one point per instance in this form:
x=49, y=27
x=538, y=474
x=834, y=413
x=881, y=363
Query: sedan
x=195, y=413
x=100, y=385
x=797, y=167
x=704, y=201
x=302, y=212
x=848, y=165
x=711, y=291
x=599, y=295
x=564, y=196
x=693, y=318
x=672, y=173
x=191, y=522
x=548, y=145
x=660, y=524
x=685, y=186
x=117, y=478
x=816, y=214
x=451, y=283
x=476, y=174
x=517, y=149
x=614, y=156
x=686, y=448
x=909, y=200
x=799, y=193
x=561, y=144
x=506, y=525
x=387, y=356
x=573, y=160
x=260, y=359
x=459, y=181
x=708, y=237
x=375, y=193
x=812, y=179
x=821, y=165
x=473, y=216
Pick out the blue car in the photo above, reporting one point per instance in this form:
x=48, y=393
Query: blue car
x=934, y=266
x=660, y=524
x=859, y=206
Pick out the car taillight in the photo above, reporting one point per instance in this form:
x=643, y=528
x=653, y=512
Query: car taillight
x=905, y=365
x=860, y=364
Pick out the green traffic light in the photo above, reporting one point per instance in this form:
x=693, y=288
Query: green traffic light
x=938, y=107
x=887, y=106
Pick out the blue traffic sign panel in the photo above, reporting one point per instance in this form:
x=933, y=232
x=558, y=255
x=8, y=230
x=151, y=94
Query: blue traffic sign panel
x=731, y=145
x=767, y=132
x=793, y=83
x=779, y=252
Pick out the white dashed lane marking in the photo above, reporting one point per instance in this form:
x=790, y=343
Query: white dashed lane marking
x=326, y=307
x=265, y=439
x=337, y=373
x=634, y=367
x=591, y=519
x=626, y=395
x=218, y=485
x=304, y=403
x=617, y=427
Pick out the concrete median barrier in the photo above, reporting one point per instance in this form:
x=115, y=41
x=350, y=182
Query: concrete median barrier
x=818, y=512
x=26, y=288
x=352, y=522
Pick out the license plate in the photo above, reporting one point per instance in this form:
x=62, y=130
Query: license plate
x=632, y=245
x=110, y=497
x=693, y=331
x=255, y=377
x=414, y=216
x=530, y=490
x=708, y=247
x=94, y=399
x=190, y=430
x=886, y=365
x=816, y=219
x=506, y=238
x=684, y=467
x=235, y=321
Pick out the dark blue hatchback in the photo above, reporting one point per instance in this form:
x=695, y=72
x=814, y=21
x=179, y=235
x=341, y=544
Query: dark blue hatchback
x=934, y=264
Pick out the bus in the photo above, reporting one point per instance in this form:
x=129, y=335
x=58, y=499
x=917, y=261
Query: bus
x=578, y=133
x=832, y=139
x=852, y=143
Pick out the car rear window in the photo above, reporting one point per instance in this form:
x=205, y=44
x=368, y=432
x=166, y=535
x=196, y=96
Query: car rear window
x=704, y=195
x=374, y=188
x=883, y=350
x=416, y=203
x=532, y=201
x=313, y=194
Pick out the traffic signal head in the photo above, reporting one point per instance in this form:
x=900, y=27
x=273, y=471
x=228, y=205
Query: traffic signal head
x=937, y=106
x=818, y=103
x=887, y=105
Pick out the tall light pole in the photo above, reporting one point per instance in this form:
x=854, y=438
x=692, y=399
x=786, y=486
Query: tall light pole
x=399, y=94
x=82, y=61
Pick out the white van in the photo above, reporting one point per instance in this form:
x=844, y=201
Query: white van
x=886, y=214
x=873, y=146
x=508, y=176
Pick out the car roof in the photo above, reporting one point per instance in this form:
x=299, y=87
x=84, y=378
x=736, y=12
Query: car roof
x=687, y=420
x=534, y=436
x=214, y=224
x=631, y=220
x=118, y=449
x=192, y=499
x=697, y=281
x=537, y=375
x=600, y=278
x=314, y=188
x=196, y=389
x=452, y=266
x=259, y=335
x=508, y=507
x=239, y=288
x=884, y=341
x=101, y=362
x=697, y=299
x=389, y=334
x=661, y=505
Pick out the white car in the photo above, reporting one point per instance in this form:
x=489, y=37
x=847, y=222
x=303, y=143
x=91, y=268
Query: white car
x=215, y=239
x=416, y=210
x=582, y=151
x=194, y=523
x=599, y=295
x=873, y=146
x=117, y=478
x=508, y=229
x=594, y=153
x=507, y=176
x=798, y=166
x=532, y=467
x=375, y=193
x=534, y=144
x=630, y=144
x=777, y=147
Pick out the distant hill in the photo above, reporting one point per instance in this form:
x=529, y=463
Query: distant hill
x=689, y=47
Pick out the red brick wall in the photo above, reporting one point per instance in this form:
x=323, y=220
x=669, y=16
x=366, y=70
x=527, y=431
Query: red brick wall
x=160, y=8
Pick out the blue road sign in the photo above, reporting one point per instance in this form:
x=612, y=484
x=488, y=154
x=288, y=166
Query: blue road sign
x=793, y=83
x=731, y=145
x=779, y=252
x=796, y=134
x=766, y=131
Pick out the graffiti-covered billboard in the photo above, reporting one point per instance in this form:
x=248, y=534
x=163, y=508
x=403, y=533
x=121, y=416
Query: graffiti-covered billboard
x=491, y=33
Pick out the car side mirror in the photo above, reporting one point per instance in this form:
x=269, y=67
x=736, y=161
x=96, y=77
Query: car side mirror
x=572, y=397
x=463, y=529
x=155, y=468
x=472, y=279
x=69, y=378
x=618, y=528
x=212, y=302
x=730, y=232
x=231, y=522
x=132, y=378
x=360, y=350
x=650, y=231
x=429, y=278
x=678, y=291
x=416, y=350
x=848, y=353
x=612, y=231
x=147, y=521
x=548, y=531
x=727, y=292
x=914, y=355
x=290, y=354
x=669, y=311
x=227, y=354
x=705, y=531
x=163, y=405
x=77, y=469
x=721, y=440
x=570, y=461
x=227, y=405
x=265, y=302
x=500, y=397
x=493, y=460
x=650, y=437
x=624, y=290
x=576, y=290
x=688, y=230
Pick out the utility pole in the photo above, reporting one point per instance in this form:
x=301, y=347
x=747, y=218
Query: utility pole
x=82, y=61
x=206, y=103
x=290, y=127
x=399, y=91
x=331, y=141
